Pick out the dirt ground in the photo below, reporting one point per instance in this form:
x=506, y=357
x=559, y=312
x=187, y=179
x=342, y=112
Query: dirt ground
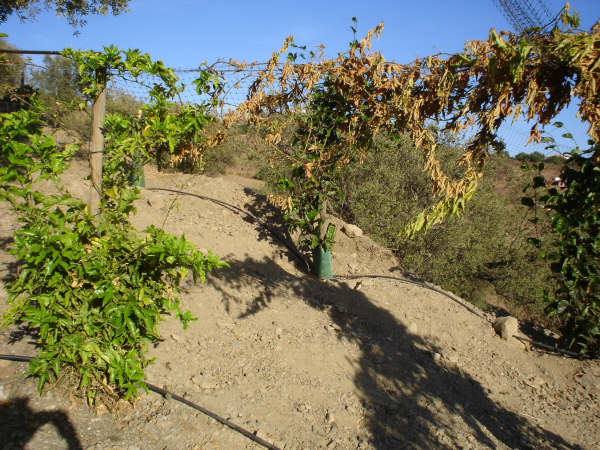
x=367, y=360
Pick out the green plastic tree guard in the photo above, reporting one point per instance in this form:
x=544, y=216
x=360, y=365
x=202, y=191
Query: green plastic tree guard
x=322, y=263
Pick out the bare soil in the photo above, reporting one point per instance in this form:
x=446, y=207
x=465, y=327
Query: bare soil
x=367, y=360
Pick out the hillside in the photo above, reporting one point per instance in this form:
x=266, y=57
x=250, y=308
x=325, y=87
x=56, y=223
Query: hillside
x=367, y=360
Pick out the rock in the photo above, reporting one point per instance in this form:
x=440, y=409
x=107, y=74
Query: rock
x=329, y=417
x=590, y=382
x=303, y=407
x=352, y=231
x=204, y=383
x=451, y=358
x=175, y=337
x=412, y=328
x=3, y=395
x=506, y=326
x=101, y=409
x=278, y=332
x=535, y=382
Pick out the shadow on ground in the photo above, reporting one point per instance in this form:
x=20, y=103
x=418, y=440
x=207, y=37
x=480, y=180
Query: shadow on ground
x=19, y=423
x=410, y=399
x=270, y=226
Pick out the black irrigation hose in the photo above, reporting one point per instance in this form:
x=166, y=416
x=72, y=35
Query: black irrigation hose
x=167, y=394
x=17, y=358
x=429, y=286
x=553, y=349
x=422, y=284
x=212, y=415
x=237, y=209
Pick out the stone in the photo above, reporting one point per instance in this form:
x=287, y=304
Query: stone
x=101, y=409
x=536, y=382
x=590, y=382
x=175, y=337
x=329, y=417
x=412, y=328
x=506, y=327
x=452, y=358
x=353, y=266
x=352, y=231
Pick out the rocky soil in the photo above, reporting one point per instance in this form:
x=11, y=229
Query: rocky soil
x=367, y=360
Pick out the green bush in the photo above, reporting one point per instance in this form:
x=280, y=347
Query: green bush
x=575, y=253
x=120, y=102
x=534, y=157
x=487, y=243
x=555, y=159
x=94, y=287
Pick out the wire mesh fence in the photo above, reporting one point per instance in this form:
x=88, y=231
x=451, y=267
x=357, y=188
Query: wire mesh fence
x=55, y=79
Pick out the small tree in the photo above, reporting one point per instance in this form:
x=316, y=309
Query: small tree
x=57, y=81
x=73, y=10
x=11, y=68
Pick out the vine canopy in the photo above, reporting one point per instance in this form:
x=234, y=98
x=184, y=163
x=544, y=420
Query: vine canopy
x=533, y=75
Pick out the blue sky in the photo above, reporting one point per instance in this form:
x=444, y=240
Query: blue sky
x=184, y=33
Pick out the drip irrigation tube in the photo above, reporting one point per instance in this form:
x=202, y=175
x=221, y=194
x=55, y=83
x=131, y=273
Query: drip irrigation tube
x=431, y=287
x=167, y=394
x=237, y=209
x=422, y=284
x=277, y=235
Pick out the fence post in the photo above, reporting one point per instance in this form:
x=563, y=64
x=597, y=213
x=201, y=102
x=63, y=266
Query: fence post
x=97, y=153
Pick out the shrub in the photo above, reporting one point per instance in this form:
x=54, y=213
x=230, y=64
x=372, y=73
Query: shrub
x=575, y=254
x=555, y=159
x=486, y=243
x=94, y=288
x=534, y=157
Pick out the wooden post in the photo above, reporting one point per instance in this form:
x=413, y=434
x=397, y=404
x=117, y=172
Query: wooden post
x=97, y=153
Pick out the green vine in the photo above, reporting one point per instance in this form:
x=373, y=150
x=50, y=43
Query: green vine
x=575, y=257
x=94, y=290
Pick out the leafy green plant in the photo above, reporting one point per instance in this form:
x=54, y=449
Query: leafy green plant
x=171, y=134
x=306, y=210
x=481, y=251
x=318, y=149
x=575, y=256
x=95, y=289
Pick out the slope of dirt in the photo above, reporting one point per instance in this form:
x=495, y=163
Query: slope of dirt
x=358, y=362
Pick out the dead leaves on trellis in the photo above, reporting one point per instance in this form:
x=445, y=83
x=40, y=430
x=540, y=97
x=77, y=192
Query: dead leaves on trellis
x=506, y=77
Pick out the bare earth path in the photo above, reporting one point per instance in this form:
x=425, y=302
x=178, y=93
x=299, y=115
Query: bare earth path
x=303, y=363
